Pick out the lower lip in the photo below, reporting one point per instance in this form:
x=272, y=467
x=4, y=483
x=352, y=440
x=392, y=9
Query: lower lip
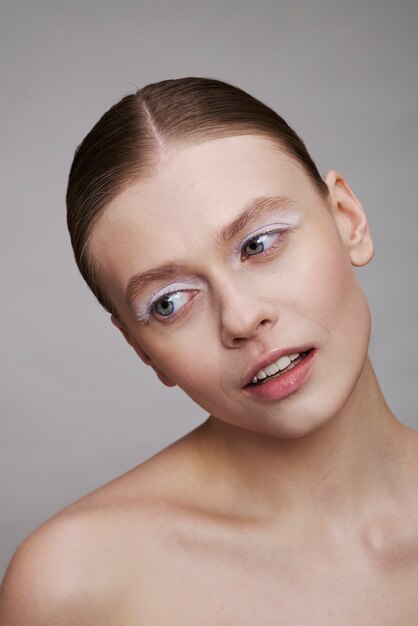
x=286, y=384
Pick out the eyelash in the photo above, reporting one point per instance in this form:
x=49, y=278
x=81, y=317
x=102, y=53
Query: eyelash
x=281, y=232
x=148, y=314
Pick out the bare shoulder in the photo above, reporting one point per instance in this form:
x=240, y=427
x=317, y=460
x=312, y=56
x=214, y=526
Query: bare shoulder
x=391, y=536
x=52, y=578
x=411, y=468
x=73, y=569
x=410, y=460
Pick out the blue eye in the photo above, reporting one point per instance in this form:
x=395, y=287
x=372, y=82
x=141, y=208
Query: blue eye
x=260, y=243
x=170, y=303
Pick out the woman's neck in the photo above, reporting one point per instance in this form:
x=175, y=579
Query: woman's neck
x=356, y=458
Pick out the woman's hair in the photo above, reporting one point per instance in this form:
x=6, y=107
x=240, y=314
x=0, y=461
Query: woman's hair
x=127, y=142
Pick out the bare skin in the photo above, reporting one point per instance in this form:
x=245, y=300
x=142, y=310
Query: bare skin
x=299, y=511
x=174, y=542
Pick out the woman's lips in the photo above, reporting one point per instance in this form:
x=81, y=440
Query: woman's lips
x=293, y=362
x=272, y=357
x=284, y=384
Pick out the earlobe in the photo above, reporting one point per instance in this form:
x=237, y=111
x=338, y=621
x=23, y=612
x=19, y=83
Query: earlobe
x=132, y=342
x=163, y=378
x=140, y=352
x=350, y=218
x=121, y=327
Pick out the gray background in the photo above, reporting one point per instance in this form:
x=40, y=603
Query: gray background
x=78, y=407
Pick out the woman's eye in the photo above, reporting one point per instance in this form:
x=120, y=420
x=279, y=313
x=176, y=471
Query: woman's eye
x=171, y=303
x=260, y=243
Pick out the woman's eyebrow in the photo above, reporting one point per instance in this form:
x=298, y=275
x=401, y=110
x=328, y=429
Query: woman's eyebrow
x=138, y=282
x=252, y=210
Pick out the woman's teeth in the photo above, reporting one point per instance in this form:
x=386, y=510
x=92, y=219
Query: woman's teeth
x=284, y=363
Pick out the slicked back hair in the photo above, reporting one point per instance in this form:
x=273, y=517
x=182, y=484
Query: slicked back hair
x=127, y=142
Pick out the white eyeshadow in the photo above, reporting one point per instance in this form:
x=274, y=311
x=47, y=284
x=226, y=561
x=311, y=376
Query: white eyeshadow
x=289, y=219
x=142, y=309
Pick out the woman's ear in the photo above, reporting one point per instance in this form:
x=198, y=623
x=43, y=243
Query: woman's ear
x=132, y=342
x=350, y=219
x=140, y=352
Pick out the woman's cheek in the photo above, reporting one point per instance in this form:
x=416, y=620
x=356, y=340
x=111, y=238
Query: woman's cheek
x=186, y=364
x=322, y=284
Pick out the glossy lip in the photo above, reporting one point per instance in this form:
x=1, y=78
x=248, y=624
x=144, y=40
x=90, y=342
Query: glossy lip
x=270, y=358
x=279, y=387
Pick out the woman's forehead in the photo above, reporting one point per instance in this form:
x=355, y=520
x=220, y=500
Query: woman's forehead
x=196, y=192
x=232, y=154
x=206, y=183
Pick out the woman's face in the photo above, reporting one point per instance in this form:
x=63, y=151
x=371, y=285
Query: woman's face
x=227, y=259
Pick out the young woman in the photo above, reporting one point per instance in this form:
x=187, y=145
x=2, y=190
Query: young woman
x=202, y=225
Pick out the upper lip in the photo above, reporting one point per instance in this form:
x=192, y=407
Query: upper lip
x=271, y=357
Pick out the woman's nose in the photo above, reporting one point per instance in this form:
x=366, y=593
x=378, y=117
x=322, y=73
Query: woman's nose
x=244, y=312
